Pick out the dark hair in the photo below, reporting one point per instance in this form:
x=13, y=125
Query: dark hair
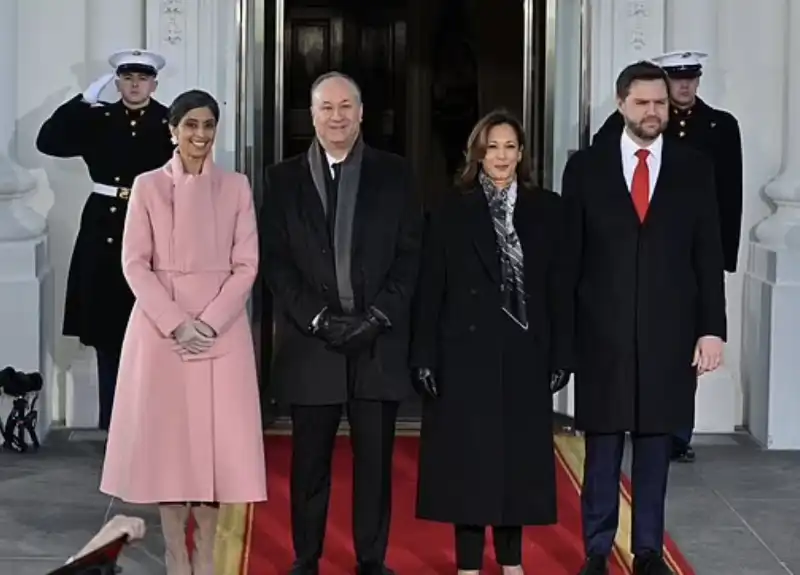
x=476, y=150
x=640, y=71
x=189, y=101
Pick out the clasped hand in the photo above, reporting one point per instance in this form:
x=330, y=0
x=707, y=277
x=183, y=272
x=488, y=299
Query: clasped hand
x=193, y=337
x=350, y=334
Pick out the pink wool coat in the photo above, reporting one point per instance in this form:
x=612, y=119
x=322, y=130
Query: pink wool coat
x=188, y=428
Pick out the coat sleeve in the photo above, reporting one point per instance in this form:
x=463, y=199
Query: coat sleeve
x=65, y=133
x=231, y=301
x=571, y=262
x=560, y=299
x=137, y=265
x=394, y=297
x=708, y=259
x=729, y=175
x=429, y=296
x=289, y=289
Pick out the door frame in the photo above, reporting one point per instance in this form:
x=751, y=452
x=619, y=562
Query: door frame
x=260, y=77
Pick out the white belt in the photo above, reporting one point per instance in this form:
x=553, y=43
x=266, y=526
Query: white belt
x=111, y=191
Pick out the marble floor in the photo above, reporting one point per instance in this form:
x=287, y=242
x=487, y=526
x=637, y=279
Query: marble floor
x=734, y=511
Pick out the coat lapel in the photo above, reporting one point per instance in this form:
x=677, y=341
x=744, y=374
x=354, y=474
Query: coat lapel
x=617, y=186
x=365, y=202
x=484, y=239
x=663, y=183
x=311, y=205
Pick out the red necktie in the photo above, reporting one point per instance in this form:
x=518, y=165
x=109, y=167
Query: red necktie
x=640, y=186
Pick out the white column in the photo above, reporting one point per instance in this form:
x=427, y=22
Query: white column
x=200, y=41
x=693, y=25
x=111, y=26
x=772, y=303
x=623, y=31
x=782, y=229
x=25, y=279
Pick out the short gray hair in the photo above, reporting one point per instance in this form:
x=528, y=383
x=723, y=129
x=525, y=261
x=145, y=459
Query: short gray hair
x=331, y=75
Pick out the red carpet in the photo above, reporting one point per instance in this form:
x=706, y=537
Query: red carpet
x=416, y=547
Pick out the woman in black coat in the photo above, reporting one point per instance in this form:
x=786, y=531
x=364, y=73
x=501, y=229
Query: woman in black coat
x=490, y=343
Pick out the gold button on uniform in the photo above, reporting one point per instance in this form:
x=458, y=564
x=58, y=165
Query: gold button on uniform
x=682, y=134
x=109, y=240
x=116, y=179
x=112, y=209
x=133, y=122
x=683, y=123
x=133, y=133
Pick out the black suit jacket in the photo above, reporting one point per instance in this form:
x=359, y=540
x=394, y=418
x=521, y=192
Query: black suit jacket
x=298, y=269
x=644, y=292
x=715, y=133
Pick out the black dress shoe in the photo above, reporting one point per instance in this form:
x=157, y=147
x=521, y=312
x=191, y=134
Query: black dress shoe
x=595, y=566
x=650, y=564
x=304, y=569
x=373, y=569
x=683, y=455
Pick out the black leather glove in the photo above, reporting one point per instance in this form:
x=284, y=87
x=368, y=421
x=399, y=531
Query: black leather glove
x=333, y=327
x=364, y=332
x=559, y=380
x=425, y=383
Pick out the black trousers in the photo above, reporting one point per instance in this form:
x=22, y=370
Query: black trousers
x=470, y=540
x=600, y=495
x=107, y=370
x=372, y=430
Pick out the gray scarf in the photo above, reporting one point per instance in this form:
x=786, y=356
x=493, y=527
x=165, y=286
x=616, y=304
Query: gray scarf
x=346, y=197
x=512, y=263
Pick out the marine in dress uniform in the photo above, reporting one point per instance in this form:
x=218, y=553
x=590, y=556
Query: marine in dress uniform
x=118, y=141
x=715, y=133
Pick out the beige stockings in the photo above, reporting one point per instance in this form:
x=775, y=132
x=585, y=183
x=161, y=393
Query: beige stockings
x=174, y=519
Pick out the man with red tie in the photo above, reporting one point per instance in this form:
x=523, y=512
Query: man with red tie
x=644, y=262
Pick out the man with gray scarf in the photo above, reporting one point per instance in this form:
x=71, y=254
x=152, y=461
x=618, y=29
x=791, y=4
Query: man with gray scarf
x=341, y=234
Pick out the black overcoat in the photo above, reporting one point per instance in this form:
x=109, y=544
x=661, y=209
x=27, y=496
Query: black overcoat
x=716, y=133
x=117, y=144
x=644, y=293
x=299, y=272
x=486, y=443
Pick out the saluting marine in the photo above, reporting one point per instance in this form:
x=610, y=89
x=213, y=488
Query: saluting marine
x=117, y=141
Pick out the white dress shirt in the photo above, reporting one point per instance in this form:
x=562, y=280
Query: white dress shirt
x=630, y=160
x=331, y=162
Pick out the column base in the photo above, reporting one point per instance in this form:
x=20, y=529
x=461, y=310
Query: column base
x=717, y=402
x=27, y=317
x=81, y=392
x=770, y=346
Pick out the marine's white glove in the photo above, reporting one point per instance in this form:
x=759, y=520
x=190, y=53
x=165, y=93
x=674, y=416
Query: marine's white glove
x=92, y=94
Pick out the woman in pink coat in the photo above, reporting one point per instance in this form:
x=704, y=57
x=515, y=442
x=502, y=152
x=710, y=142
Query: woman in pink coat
x=186, y=428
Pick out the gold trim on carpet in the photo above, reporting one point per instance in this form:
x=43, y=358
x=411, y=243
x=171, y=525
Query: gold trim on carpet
x=673, y=564
x=571, y=449
x=234, y=537
x=229, y=543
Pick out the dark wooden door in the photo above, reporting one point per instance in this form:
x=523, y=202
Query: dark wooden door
x=364, y=40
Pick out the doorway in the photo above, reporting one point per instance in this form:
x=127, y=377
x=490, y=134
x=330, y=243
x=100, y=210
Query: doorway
x=427, y=69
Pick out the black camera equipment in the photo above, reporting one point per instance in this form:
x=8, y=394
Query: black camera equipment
x=24, y=388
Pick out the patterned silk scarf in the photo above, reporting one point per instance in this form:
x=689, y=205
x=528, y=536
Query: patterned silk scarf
x=512, y=270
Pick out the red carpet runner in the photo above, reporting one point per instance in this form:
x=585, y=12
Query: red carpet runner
x=263, y=543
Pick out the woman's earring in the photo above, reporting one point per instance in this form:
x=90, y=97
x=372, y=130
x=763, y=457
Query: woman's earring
x=174, y=140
